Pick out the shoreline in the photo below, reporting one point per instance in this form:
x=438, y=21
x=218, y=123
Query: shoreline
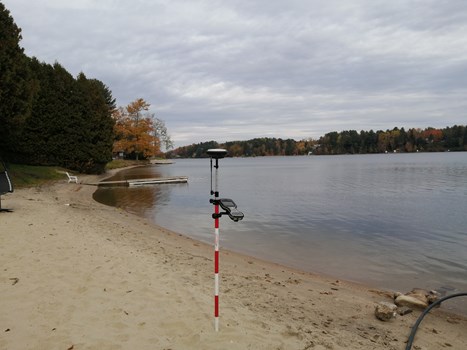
x=78, y=273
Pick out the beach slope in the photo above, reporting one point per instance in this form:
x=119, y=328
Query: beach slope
x=76, y=274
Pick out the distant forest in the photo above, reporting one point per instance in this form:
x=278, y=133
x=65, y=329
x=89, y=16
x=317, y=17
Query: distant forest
x=346, y=142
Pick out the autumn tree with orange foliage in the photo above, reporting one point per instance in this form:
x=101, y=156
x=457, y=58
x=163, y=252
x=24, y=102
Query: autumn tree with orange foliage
x=135, y=131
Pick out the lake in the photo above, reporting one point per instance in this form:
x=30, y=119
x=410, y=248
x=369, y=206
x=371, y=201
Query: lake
x=393, y=221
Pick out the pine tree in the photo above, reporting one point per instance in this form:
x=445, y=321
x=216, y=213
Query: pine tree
x=15, y=88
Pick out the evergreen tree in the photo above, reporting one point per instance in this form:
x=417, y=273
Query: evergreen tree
x=70, y=124
x=15, y=88
x=92, y=145
x=47, y=117
x=44, y=135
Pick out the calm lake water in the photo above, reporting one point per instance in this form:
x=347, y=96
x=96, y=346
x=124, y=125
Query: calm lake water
x=393, y=221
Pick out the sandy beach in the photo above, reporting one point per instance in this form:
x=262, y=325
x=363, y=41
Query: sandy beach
x=76, y=274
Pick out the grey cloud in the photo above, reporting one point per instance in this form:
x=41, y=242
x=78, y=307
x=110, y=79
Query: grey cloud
x=240, y=69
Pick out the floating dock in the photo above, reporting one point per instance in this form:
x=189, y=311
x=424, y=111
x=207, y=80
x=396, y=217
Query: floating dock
x=143, y=182
x=160, y=180
x=161, y=161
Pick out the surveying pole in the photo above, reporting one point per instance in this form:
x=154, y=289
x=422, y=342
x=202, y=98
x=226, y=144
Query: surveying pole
x=230, y=209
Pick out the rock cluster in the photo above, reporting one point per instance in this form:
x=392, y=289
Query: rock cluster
x=405, y=303
x=416, y=298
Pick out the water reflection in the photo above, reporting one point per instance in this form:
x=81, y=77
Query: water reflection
x=140, y=172
x=139, y=200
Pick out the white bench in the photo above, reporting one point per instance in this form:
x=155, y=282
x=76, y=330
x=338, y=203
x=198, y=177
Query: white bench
x=72, y=178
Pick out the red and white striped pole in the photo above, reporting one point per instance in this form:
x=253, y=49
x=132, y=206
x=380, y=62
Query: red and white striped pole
x=230, y=208
x=216, y=260
x=216, y=154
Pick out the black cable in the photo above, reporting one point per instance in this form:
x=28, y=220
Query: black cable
x=420, y=318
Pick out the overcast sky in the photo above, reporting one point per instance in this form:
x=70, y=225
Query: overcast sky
x=234, y=70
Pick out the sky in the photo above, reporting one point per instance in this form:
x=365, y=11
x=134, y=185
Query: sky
x=234, y=70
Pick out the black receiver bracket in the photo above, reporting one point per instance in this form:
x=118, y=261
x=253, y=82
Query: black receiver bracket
x=227, y=204
x=230, y=208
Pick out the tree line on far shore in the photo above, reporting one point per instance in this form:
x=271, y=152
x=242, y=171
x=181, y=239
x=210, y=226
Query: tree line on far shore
x=396, y=140
x=346, y=142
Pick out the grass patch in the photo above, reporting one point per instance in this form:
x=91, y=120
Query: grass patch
x=122, y=163
x=30, y=175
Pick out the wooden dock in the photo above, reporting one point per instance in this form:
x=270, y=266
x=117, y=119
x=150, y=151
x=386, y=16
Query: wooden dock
x=159, y=180
x=160, y=161
x=143, y=182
